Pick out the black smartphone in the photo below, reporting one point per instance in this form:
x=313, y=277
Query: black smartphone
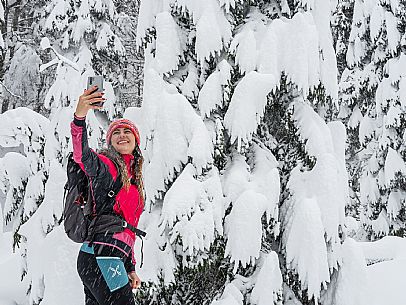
x=96, y=80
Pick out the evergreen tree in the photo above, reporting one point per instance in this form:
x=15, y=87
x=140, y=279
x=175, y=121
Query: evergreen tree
x=79, y=41
x=371, y=94
x=255, y=179
x=19, y=61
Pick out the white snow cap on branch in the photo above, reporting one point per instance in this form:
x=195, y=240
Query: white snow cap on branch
x=189, y=87
x=15, y=168
x=168, y=46
x=247, y=105
x=231, y=295
x=265, y=48
x=328, y=62
x=2, y=19
x=211, y=94
x=171, y=121
x=315, y=210
x=33, y=192
x=146, y=18
x=1, y=11
x=252, y=194
x=193, y=210
x=159, y=255
x=323, y=181
x=306, y=250
x=395, y=203
x=52, y=206
x=244, y=228
x=268, y=281
x=22, y=126
x=246, y=42
x=213, y=30
x=393, y=164
x=349, y=286
x=380, y=226
x=106, y=35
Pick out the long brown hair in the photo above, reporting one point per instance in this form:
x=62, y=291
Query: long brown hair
x=136, y=169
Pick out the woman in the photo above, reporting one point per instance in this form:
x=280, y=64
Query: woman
x=107, y=264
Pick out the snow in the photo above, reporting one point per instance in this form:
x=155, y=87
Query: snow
x=377, y=20
x=310, y=262
x=386, y=283
x=212, y=31
x=393, y=164
x=268, y=282
x=242, y=118
x=367, y=128
x=18, y=125
x=190, y=215
x=147, y=11
x=60, y=273
x=392, y=31
x=298, y=57
x=34, y=190
x=352, y=276
x=253, y=194
x=355, y=118
x=211, y=94
x=176, y=125
x=189, y=87
x=244, y=44
x=380, y=226
x=189, y=76
x=326, y=181
x=168, y=44
x=395, y=203
x=12, y=290
x=231, y=295
x=387, y=248
x=16, y=168
x=159, y=257
x=368, y=188
x=328, y=63
x=244, y=227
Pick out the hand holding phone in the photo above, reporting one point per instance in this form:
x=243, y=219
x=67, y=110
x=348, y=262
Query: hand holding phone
x=92, y=97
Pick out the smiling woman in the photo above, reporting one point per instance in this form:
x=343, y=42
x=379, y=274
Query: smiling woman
x=106, y=260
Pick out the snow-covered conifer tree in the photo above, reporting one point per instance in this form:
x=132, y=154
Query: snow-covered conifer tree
x=81, y=41
x=246, y=183
x=372, y=94
x=22, y=79
x=22, y=174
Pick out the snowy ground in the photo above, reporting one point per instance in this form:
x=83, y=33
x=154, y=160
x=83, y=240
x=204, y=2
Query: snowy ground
x=385, y=282
x=11, y=289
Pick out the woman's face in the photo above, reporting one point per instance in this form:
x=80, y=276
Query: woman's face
x=123, y=140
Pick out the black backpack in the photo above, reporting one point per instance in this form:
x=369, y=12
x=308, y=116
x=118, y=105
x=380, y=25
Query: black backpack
x=81, y=223
x=77, y=203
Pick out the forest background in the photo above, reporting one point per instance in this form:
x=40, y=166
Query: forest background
x=273, y=134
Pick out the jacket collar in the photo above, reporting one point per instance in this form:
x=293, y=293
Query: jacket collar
x=128, y=158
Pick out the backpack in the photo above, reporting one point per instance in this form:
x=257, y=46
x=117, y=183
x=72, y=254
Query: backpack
x=80, y=221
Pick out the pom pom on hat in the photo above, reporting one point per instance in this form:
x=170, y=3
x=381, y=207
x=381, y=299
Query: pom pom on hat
x=123, y=123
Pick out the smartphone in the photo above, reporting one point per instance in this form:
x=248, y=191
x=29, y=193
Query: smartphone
x=96, y=80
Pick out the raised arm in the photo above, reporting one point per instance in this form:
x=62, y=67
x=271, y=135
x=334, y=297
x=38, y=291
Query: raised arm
x=82, y=154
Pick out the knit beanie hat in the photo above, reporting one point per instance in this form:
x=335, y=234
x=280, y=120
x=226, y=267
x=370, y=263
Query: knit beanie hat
x=122, y=123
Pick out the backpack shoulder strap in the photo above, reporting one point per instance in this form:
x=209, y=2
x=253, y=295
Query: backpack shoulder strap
x=118, y=184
